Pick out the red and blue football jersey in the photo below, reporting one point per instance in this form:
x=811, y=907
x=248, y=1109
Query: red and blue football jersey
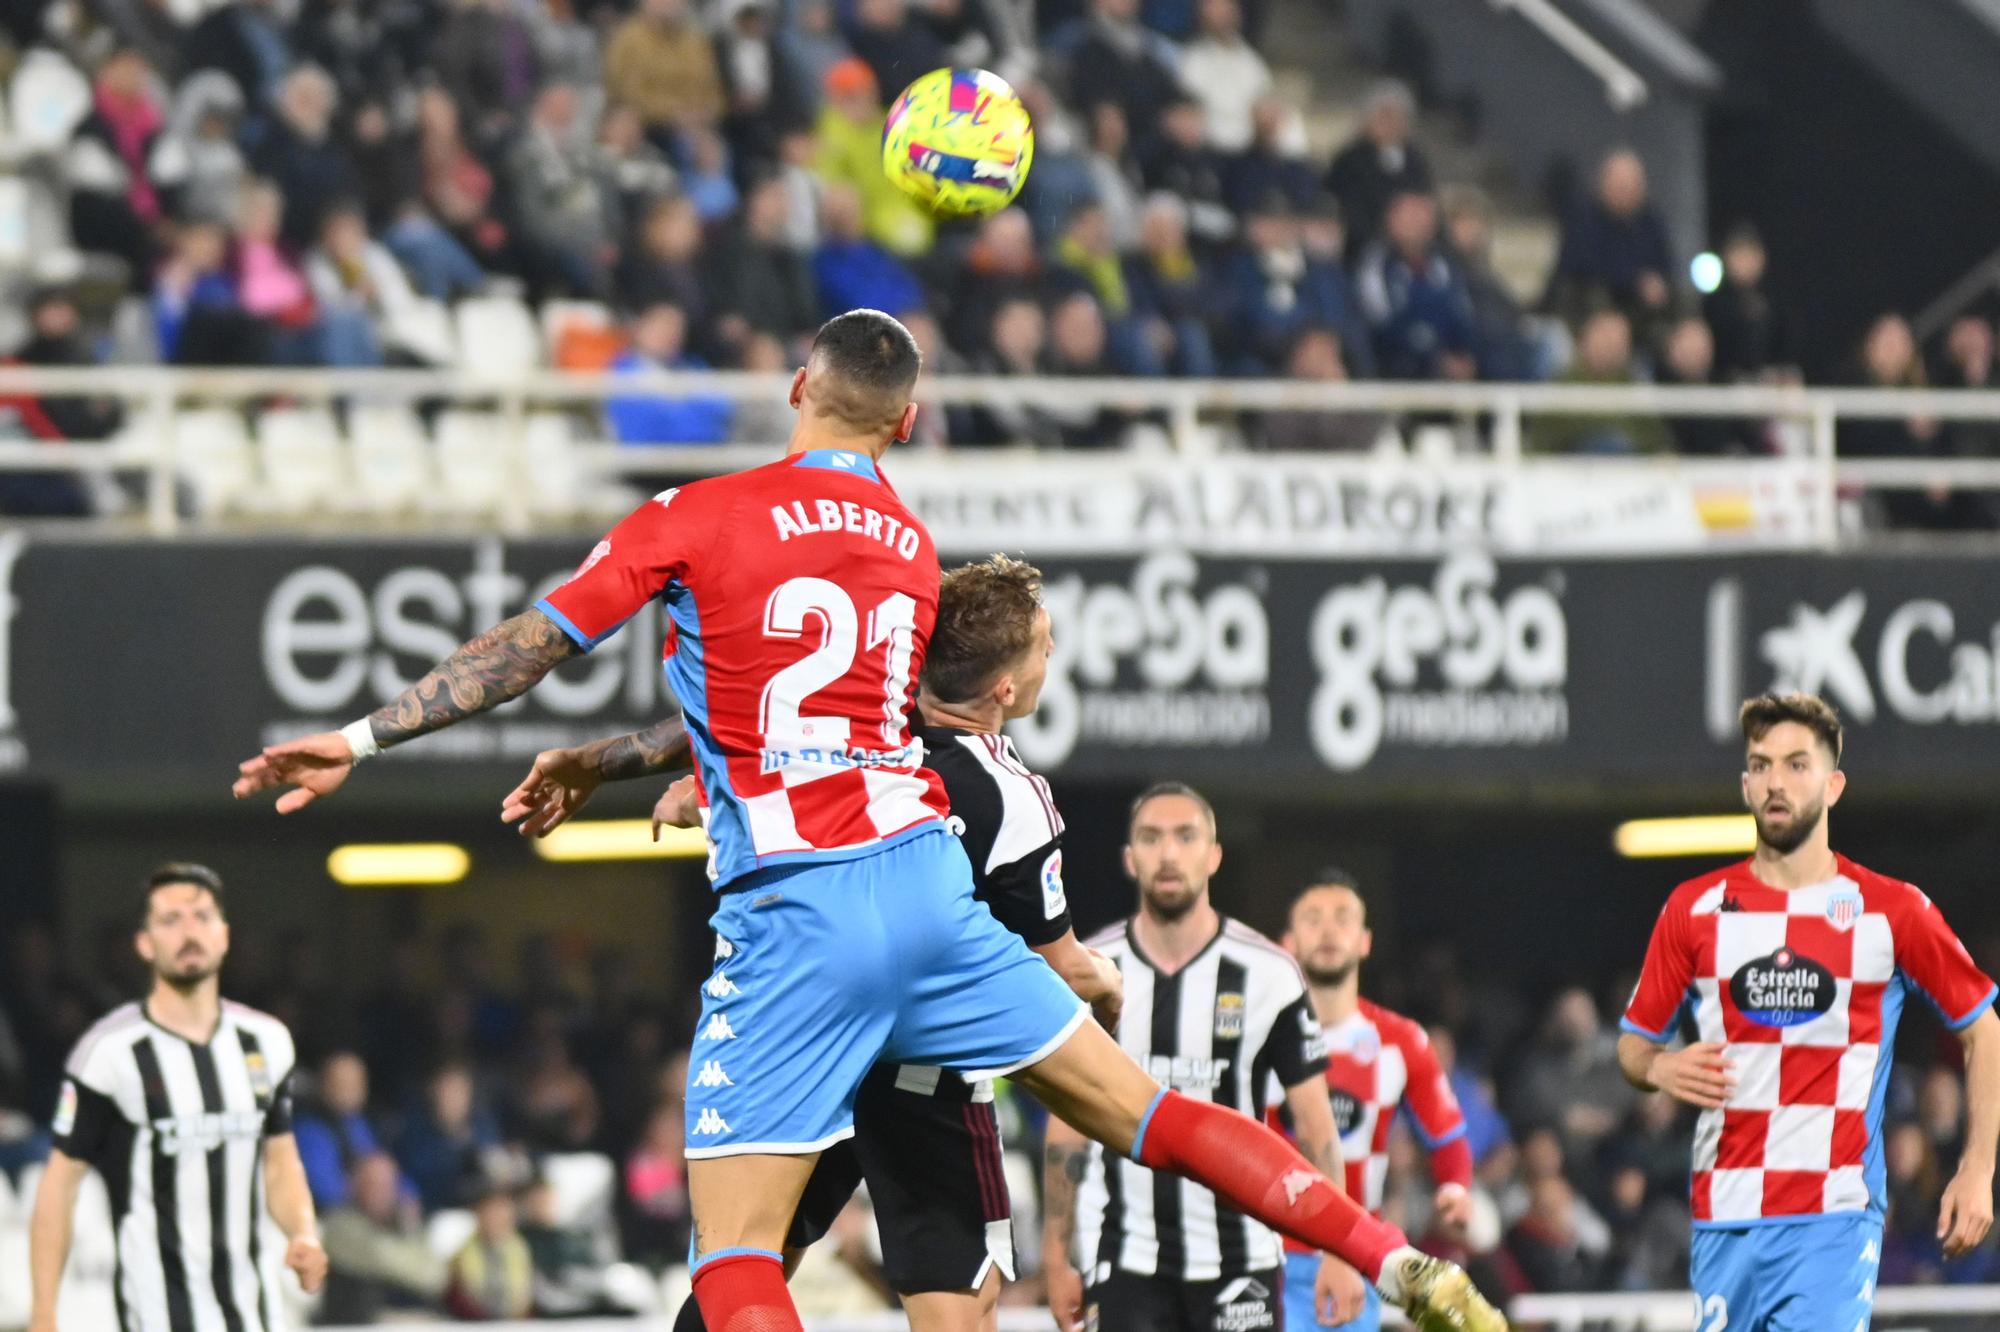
x=1803, y=989
x=800, y=599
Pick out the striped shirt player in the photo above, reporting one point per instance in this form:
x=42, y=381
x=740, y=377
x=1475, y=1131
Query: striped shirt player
x=177, y=1129
x=1223, y=1028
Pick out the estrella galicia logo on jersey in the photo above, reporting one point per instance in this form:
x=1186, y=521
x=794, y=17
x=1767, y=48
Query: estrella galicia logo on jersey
x=1782, y=989
x=1346, y=1111
x=1229, y=1017
x=1843, y=908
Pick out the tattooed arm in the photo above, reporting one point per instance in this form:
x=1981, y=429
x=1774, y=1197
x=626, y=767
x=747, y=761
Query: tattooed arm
x=562, y=780
x=501, y=664
x=1065, y=1158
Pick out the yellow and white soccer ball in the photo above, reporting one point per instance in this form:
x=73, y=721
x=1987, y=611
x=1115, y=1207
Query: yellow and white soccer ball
x=959, y=141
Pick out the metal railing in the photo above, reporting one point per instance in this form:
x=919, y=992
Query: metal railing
x=1624, y=87
x=1492, y=416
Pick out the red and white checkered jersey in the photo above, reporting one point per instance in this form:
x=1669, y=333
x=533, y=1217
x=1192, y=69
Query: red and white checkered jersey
x=1804, y=988
x=800, y=599
x=1378, y=1061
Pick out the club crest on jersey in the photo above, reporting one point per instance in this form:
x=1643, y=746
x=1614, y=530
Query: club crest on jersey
x=1229, y=1017
x=1367, y=1046
x=1843, y=908
x=1782, y=989
x=260, y=1075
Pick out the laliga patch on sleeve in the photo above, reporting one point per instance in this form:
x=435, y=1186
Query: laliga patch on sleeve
x=1054, y=901
x=65, y=1120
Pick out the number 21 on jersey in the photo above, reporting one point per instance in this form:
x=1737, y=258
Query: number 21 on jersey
x=846, y=647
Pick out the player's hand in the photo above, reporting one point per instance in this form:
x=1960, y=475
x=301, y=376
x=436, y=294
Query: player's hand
x=313, y=767
x=558, y=785
x=1065, y=1294
x=1452, y=1209
x=1338, y=1292
x=307, y=1258
x=1108, y=1000
x=1697, y=1074
x=680, y=807
x=1967, y=1211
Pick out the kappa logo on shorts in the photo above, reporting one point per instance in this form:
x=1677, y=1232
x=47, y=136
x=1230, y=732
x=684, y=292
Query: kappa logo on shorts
x=709, y=1124
x=724, y=950
x=721, y=987
x=718, y=1028
x=711, y=1075
x=1229, y=1017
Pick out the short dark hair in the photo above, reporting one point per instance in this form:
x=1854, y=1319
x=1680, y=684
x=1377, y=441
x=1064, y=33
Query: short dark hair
x=985, y=621
x=1159, y=789
x=1760, y=714
x=863, y=367
x=179, y=872
x=1330, y=876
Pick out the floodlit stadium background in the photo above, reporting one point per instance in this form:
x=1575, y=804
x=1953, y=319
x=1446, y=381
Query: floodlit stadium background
x=1450, y=572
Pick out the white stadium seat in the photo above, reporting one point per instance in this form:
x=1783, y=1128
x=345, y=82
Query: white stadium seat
x=423, y=328
x=47, y=99
x=497, y=336
x=212, y=452
x=554, y=473
x=585, y=1184
x=475, y=460
x=447, y=1231
x=299, y=448
x=391, y=459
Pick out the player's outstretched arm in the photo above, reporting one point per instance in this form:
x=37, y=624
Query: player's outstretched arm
x=1698, y=1074
x=561, y=781
x=501, y=664
x=49, y=1232
x=289, y=1199
x=1967, y=1211
x=1090, y=975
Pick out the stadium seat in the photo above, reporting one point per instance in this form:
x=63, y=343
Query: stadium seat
x=212, y=453
x=475, y=461
x=574, y=325
x=391, y=459
x=47, y=99
x=585, y=1185
x=447, y=1231
x=299, y=449
x=554, y=472
x=497, y=336
x=423, y=328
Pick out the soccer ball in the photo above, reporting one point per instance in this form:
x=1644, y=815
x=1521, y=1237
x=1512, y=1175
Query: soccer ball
x=959, y=142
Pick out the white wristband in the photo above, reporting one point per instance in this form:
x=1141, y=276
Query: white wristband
x=361, y=739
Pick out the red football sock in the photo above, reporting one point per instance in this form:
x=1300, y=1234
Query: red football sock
x=745, y=1291
x=1258, y=1172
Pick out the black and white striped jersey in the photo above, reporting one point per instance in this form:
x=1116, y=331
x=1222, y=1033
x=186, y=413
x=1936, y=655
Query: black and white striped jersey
x=177, y=1129
x=1223, y=1028
x=1006, y=819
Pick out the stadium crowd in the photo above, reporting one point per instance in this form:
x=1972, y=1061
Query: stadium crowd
x=265, y=182
x=439, y=1087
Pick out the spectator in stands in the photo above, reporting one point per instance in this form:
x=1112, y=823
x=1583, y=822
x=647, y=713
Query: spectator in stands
x=1179, y=161
x=1226, y=75
x=764, y=286
x=1689, y=358
x=493, y=1276
x=1614, y=249
x=568, y=1273
x=566, y=210
x=667, y=265
x=566, y=46
x=1889, y=360
x=351, y=42
x=1121, y=59
x=655, y=1202
x=1649, y=1247
x=1173, y=294
x=333, y=1128
x=246, y=40
x=1754, y=339
x=1276, y=290
x=55, y=339
x=485, y=57
x=1603, y=356
x=764, y=420
x=1507, y=349
x=1274, y=163
x=195, y=163
x=302, y=158
x=198, y=318
x=1079, y=348
x=1115, y=180
x=113, y=206
x=850, y=150
x=660, y=61
x=360, y=291
x=1415, y=298
x=1000, y=265
x=812, y=45
x=1017, y=344
x=377, y=1256
x=387, y=165
x=896, y=45
x=1546, y=1245
x=459, y=192
x=635, y=172
x=1570, y=1078
x=708, y=178
x=762, y=89
x=1914, y=1181
x=443, y=1144
x=1486, y=1130
x=269, y=285
x=1315, y=358
x=1378, y=164
x=659, y=342
x=796, y=154
x=555, y=1108
x=853, y=272
x=1969, y=364
x=975, y=33
x=937, y=425
x=1086, y=260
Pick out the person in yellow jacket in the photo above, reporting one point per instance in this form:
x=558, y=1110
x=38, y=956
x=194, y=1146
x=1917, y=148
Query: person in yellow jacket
x=850, y=151
x=661, y=63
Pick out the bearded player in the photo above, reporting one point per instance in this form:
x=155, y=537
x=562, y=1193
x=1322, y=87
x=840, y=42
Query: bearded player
x=1795, y=965
x=801, y=597
x=1376, y=1061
